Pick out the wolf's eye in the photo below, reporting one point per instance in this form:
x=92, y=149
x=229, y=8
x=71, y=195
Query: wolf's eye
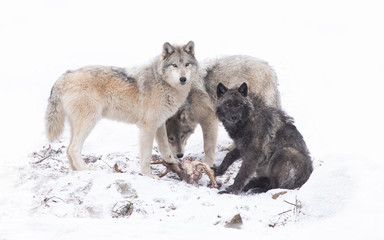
x=186, y=132
x=182, y=137
x=227, y=104
x=171, y=139
x=187, y=64
x=174, y=65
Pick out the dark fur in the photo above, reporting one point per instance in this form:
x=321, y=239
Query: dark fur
x=122, y=74
x=273, y=151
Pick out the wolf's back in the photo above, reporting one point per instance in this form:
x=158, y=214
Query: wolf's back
x=54, y=115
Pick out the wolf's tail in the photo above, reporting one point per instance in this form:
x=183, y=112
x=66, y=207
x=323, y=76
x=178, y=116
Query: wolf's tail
x=54, y=115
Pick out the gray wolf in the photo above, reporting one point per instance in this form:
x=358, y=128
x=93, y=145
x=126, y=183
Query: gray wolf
x=146, y=96
x=273, y=151
x=180, y=127
x=200, y=105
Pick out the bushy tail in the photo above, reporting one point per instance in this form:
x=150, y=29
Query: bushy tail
x=54, y=115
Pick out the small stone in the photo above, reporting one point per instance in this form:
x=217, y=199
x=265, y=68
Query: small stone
x=276, y=195
x=235, y=222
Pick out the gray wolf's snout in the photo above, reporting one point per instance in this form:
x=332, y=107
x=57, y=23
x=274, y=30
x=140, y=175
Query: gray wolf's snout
x=183, y=80
x=234, y=118
x=180, y=155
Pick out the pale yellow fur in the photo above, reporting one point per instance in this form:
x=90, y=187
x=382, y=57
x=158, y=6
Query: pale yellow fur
x=142, y=96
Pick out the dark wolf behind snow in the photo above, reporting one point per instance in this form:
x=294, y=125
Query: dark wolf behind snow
x=273, y=151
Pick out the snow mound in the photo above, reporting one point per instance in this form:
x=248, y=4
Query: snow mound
x=115, y=188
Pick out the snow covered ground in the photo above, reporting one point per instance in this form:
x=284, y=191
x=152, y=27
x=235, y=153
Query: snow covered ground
x=328, y=57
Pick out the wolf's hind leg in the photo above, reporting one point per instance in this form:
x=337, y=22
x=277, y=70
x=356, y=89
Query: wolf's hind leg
x=257, y=185
x=290, y=168
x=80, y=129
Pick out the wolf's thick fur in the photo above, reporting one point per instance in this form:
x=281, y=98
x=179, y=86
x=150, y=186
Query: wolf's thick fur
x=200, y=105
x=273, y=151
x=146, y=96
x=179, y=128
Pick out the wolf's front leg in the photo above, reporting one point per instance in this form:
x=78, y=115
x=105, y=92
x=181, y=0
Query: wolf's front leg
x=230, y=158
x=209, y=127
x=147, y=135
x=246, y=173
x=162, y=142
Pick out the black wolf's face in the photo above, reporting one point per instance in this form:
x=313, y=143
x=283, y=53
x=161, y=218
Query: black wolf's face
x=233, y=106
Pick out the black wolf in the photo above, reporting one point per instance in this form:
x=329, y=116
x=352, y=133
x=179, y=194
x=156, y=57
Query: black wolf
x=273, y=151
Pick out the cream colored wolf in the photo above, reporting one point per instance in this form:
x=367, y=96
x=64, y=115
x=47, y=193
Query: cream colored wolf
x=146, y=96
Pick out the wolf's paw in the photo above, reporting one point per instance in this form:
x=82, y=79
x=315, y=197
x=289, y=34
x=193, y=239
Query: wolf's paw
x=224, y=192
x=149, y=174
x=81, y=167
x=227, y=148
x=230, y=190
x=172, y=160
x=155, y=177
x=217, y=171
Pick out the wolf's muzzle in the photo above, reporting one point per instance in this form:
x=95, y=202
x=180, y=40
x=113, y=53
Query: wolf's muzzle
x=183, y=80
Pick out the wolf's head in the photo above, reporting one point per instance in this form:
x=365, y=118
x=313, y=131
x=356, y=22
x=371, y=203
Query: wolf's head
x=179, y=128
x=178, y=63
x=233, y=106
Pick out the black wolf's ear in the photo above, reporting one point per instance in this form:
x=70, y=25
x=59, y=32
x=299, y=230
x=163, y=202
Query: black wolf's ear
x=243, y=89
x=221, y=89
x=167, y=50
x=190, y=48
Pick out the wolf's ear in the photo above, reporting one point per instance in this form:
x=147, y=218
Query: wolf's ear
x=167, y=50
x=183, y=115
x=190, y=48
x=221, y=89
x=243, y=89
